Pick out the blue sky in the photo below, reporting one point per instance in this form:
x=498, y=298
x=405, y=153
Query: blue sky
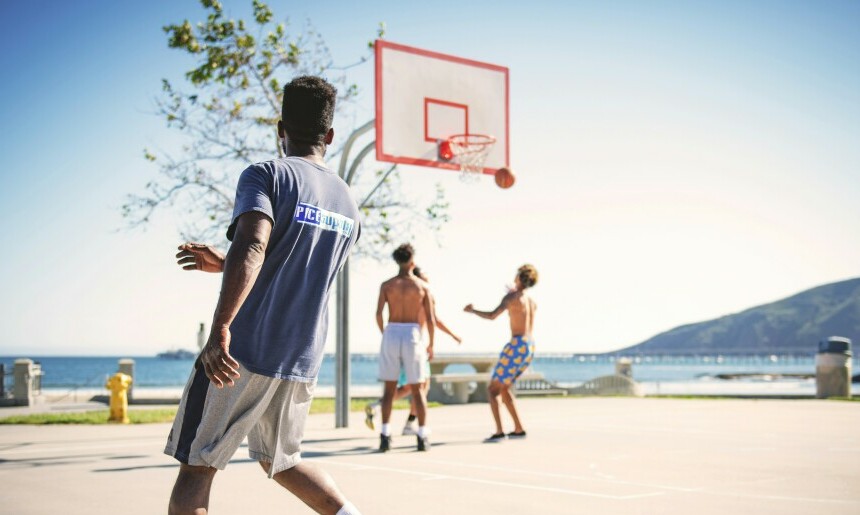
x=676, y=162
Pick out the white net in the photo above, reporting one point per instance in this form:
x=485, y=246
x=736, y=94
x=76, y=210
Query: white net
x=470, y=151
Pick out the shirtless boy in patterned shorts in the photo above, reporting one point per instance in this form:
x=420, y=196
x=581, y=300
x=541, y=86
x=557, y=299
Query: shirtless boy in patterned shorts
x=517, y=354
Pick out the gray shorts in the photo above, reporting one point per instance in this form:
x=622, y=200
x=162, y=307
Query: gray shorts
x=212, y=422
x=402, y=347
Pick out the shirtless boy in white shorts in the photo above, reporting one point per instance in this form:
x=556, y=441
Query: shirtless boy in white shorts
x=407, y=297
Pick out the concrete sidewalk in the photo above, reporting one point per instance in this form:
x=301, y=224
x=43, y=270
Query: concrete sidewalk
x=592, y=455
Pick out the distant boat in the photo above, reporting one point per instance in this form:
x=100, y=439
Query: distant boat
x=177, y=354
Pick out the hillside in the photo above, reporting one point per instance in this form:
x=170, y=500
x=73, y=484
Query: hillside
x=793, y=325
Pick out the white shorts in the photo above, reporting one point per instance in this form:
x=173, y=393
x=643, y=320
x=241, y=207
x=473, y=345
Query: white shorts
x=211, y=422
x=402, y=347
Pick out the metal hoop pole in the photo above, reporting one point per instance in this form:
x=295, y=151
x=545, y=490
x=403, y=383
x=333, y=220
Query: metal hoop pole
x=341, y=384
x=378, y=184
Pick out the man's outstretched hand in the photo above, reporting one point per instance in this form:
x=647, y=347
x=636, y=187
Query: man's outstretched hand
x=219, y=366
x=199, y=256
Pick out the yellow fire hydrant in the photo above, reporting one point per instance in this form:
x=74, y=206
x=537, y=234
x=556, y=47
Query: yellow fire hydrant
x=118, y=385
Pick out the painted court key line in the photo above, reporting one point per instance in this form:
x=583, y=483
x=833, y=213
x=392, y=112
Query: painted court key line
x=437, y=477
x=570, y=476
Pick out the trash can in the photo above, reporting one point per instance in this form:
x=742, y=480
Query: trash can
x=833, y=368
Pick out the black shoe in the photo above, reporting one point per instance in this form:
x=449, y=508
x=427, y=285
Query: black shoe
x=384, y=443
x=498, y=437
x=514, y=434
x=423, y=443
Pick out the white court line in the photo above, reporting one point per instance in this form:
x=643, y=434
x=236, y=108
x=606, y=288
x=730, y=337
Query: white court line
x=784, y=498
x=496, y=483
x=603, y=429
x=619, y=429
x=67, y=450
x=566, y=476
x=786, y=438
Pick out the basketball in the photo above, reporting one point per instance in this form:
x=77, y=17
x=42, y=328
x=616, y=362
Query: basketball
x=505, y=178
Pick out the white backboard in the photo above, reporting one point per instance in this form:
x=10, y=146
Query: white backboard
x=423, y=97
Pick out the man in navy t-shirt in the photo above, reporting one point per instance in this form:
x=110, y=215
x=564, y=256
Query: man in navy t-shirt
x=294, y=224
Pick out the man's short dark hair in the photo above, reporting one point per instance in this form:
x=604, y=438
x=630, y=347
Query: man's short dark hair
x=308, y=109
x=403, y=254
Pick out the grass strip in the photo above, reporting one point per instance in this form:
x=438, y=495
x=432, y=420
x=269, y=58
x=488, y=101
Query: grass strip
x=162, y=415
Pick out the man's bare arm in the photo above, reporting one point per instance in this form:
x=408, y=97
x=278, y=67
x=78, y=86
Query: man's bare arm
x=489, y=315
x=444, y=328
x=380, y=304
x=430, y=311
x=199, y=256
x=241, y=268
x=441, y=325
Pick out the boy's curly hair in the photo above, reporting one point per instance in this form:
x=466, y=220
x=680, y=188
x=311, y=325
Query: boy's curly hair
x=528, y=275
x=403, y=254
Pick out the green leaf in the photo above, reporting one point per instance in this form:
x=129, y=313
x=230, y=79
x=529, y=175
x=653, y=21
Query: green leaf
x=262, y=13
x=212, y=4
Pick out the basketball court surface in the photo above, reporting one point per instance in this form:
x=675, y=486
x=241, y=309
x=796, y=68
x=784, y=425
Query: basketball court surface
x=607, y=456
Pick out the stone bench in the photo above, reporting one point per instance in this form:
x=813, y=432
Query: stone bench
x=456, y=388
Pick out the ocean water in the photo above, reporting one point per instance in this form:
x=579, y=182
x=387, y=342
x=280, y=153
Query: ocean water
x=569, y=370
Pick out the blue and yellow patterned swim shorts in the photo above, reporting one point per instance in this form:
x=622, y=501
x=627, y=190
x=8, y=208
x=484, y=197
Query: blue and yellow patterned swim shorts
x=514, y=360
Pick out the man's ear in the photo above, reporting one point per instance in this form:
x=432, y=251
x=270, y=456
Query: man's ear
x=282, y=132
x=329, y=136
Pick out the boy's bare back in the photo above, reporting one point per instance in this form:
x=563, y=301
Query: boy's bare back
x=521, y=311
x=405, y=297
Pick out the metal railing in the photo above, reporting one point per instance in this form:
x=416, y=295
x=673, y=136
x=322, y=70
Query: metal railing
x=97, y=380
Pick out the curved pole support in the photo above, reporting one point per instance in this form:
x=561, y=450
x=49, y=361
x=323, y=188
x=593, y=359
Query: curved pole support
x=344, y=156
x=357, y=161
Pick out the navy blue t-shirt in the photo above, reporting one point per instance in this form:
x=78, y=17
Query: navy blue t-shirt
x=280, y=330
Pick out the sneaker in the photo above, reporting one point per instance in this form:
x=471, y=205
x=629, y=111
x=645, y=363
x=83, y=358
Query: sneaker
x=384, y=443
x=498, y=437
x=423, y=443
x=514, y=434
x=368, y=417
x=409, y=429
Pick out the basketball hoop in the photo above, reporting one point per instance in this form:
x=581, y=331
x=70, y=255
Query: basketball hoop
x=469, y=151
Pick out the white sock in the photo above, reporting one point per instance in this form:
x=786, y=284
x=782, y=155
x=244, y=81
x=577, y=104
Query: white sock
x=386, y=430
x=422, y=432
x=348, y=509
